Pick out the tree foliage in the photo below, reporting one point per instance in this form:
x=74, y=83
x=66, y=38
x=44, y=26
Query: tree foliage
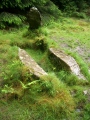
x=13, y=12
x=73, y=4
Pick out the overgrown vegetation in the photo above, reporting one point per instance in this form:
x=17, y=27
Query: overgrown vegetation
x=60, y=95
x=14, y=13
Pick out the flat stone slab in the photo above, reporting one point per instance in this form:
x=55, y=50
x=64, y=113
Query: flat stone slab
x=33, y=67
x=64, y=61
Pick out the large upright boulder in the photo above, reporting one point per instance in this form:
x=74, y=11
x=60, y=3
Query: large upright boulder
x=34, y=18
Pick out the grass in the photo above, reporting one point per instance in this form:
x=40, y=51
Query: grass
x=72, y=32
x=45, y=100
x=53, y=97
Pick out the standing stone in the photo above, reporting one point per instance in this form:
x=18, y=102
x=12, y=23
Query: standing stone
x=34, y=18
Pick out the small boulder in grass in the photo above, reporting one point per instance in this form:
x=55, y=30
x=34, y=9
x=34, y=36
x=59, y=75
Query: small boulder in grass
x=85, y=92
x=34, y=18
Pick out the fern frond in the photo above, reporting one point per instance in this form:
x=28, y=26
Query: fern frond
x=10, y=19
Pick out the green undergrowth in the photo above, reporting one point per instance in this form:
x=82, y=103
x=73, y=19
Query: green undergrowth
x=42, y=59
x=46, y=99
x=60, y=94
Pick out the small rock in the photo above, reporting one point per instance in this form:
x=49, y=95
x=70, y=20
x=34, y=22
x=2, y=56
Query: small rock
x=78, y=110
x=85, y=92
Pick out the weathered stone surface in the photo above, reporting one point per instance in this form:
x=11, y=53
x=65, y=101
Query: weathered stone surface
x=34, y=18
x=33, y=67
x=64, y=61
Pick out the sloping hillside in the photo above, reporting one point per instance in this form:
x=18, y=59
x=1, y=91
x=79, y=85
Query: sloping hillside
x=58, y=96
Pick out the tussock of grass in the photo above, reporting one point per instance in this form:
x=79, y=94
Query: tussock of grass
x=70, y=79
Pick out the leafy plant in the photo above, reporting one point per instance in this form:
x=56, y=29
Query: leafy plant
x=9, y=19
x=86, y=112
x=12, y=73
x=7, y=89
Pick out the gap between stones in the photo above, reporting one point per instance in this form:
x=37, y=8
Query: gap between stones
x=56, y=56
